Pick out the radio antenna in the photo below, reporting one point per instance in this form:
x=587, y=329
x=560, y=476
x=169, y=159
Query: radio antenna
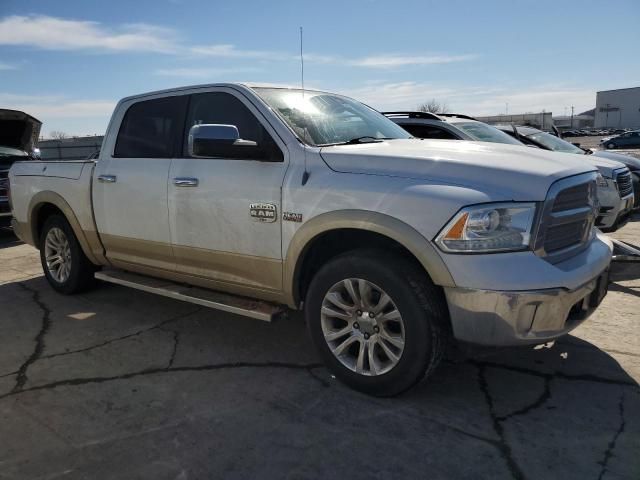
x=305, y=175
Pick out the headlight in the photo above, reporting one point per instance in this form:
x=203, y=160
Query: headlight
x=601, y=181
x=495, y=227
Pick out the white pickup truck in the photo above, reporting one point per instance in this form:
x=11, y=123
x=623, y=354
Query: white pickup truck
x=252, y=199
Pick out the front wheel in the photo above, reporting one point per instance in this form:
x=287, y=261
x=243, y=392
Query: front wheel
x=64, y=263
x=377, y=320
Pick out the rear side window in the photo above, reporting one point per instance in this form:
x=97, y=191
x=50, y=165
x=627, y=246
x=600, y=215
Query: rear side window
x=428, y=131
x=152, y=128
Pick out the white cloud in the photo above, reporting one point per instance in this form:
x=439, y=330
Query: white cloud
x=52, y=33
x=7, y=66
x=201, y=72
x=473, y=100
x=231, y=51
x=400, y=60
x=46, y=107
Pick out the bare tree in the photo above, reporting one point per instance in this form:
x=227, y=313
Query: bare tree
x=58, y=135
x=433, y=106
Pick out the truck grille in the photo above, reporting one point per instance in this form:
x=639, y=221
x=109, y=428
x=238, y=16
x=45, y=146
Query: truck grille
x=572, y=197
x=4, y=183
x=567, y=218
x=564, y=236
x=625, y=185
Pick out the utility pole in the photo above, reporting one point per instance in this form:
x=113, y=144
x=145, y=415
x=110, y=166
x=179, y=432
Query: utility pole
x=607, y=121
x=572, y=117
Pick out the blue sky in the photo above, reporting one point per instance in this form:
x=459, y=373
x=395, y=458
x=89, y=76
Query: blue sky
x=68, y=61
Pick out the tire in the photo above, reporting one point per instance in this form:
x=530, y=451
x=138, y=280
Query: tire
x=423, y=324
x=610, y=146
x=65, y=265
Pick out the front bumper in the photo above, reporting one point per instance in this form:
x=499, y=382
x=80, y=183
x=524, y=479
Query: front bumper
x=500, y=318
x=611, y=218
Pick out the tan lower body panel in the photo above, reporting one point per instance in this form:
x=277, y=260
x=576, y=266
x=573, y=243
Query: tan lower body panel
x=228, y=272
x=256, y=272
x=138, y=252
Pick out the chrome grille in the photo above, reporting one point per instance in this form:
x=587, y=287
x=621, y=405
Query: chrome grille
x=572, y=197
x=567, y=217
x=564, y=236
x=4, y=192
x=625, y=185
x=4, y=182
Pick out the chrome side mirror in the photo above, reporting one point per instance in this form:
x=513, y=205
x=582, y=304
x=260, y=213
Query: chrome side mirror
x=216, y=140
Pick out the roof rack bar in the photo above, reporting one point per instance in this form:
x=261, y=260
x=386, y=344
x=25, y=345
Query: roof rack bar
x=414, y=114
x=459, y=115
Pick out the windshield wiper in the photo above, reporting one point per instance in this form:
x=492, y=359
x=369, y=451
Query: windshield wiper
x=357, y=141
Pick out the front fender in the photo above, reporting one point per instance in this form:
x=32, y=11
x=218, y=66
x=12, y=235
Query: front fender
x=370, y=221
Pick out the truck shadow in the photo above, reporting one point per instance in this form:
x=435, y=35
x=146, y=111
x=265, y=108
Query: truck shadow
x=8, y=239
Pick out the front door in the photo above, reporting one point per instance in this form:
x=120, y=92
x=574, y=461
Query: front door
x=224, y=213
x=130, y=184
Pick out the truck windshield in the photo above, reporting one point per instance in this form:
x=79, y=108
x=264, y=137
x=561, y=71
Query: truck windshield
x=486, y=133
x=321, y=119
x=554, y=143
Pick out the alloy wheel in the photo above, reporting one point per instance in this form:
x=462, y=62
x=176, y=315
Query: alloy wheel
x=362, y=327
x=57, y=253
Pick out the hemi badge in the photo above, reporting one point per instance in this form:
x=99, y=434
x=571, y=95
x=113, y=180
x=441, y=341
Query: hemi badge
x=292, y=217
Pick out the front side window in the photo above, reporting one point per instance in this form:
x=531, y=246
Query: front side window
x=320, y=118
x=225, y=109
x=486, y=133
x=151, y=128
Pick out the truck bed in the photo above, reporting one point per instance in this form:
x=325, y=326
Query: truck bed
x=66, y=184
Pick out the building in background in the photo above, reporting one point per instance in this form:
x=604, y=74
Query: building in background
x=618, y=108
x=75, y=148
x=542, y=120
x=570, y=122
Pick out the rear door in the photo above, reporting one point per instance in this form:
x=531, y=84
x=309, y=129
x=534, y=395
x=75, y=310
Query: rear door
x=225, y=212
x=130, y=184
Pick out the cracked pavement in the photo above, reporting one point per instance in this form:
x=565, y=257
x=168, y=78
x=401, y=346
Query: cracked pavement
x=116, y=383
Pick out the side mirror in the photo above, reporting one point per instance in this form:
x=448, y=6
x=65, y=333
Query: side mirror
x=221, y=141
x=575, y=144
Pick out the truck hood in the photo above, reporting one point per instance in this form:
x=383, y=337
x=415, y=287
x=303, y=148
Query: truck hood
x=512, y=171
x=631, y=162
x=606, y=166
x=18, y=130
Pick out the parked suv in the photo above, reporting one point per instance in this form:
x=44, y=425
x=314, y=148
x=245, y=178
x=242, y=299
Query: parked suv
x=246, y=198
x=615, y=210
x=449, y=126
x=617, y=190
x=18, y=134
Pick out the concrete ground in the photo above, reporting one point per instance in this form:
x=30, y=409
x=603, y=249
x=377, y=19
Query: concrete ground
x=116, y=383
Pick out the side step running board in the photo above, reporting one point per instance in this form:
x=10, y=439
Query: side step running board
x=200, y=296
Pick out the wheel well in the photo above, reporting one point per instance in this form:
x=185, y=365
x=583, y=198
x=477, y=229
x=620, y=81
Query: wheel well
x=40, y=216
x=330, y=244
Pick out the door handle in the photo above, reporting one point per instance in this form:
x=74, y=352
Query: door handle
x=185, y=182
x=107, y=178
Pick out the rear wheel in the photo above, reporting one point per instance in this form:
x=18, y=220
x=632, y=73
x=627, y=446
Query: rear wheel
x=65, y=265
x=380, y=326
x=610, y=146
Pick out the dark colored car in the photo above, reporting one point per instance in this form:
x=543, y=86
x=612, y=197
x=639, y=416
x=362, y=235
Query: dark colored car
x=18, y=134
x=534, y=137
x=625, y=140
